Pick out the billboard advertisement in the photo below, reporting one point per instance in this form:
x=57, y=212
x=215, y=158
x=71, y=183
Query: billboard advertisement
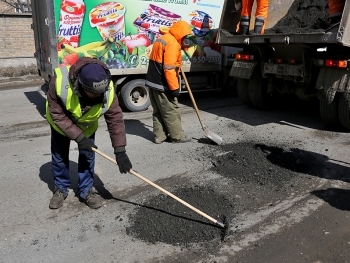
x=121, y=33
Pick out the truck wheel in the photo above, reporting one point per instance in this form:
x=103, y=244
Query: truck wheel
x=134, y=95
x=243, y=91
x=329, y=102
x=258, y=93
x=344, y=110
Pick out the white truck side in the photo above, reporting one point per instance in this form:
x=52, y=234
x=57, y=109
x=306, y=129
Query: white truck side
x=121, y=34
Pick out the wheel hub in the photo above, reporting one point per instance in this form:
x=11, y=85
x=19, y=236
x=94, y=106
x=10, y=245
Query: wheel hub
x=136, y=95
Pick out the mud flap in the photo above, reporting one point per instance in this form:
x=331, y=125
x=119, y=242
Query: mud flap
x=242, y=69
x=334, y=79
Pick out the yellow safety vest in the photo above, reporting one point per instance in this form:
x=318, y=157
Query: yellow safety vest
x=88, y=122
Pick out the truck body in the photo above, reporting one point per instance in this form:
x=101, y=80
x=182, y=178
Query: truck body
x=121, y=34
x=311, y=63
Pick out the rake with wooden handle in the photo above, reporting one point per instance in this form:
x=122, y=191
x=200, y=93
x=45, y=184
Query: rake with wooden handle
x=216, y=222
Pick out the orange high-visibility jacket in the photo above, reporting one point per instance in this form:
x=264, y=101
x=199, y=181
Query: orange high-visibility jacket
x=261, y=8
x=165, y=58
x=335, y=7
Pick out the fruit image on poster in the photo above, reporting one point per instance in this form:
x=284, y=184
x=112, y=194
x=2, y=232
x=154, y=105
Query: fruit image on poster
x=108, y=18
x=121, y=33
x=154, y=21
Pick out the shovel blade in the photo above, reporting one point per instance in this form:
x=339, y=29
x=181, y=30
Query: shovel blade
x=214, y=137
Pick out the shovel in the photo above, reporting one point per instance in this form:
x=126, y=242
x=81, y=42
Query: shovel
x=209, y=134
x=216, y=222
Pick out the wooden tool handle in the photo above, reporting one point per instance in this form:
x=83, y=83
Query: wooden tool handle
x=159, y=188
x=192, y=98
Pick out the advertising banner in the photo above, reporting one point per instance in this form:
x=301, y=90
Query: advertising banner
x=121, y=33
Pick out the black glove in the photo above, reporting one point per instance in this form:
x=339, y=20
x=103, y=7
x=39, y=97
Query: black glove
x=175, y=93
x=123, y=162
x=86, y=144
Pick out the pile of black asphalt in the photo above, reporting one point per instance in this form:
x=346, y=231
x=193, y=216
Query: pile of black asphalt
x=258, y=174
x=304, y=16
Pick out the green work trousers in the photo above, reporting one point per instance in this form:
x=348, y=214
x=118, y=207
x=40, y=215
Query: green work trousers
x=166, y=116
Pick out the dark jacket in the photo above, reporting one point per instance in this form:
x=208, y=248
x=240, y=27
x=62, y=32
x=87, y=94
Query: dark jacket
x=60, y=116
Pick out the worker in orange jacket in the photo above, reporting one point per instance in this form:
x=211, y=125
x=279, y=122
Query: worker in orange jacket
x=260, y=15
x=335, y=11
x=163, y=82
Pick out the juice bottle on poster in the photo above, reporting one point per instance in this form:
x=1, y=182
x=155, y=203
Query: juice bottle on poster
x=71, y=18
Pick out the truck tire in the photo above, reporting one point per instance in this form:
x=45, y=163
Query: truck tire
x=344, y=110
x=134, y=96
x=258, y=95
x=243, y=91
x=329, y=103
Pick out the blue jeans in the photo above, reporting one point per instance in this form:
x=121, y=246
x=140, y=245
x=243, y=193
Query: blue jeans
x=60, y=164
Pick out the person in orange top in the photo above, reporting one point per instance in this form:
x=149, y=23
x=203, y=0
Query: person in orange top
x=335, y=11
x=163, y=83
x=260, y=15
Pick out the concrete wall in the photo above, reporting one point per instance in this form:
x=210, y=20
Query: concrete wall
x=16, y=40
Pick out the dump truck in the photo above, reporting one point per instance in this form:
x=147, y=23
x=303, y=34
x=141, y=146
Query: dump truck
x=299, y=55
x=121, y=34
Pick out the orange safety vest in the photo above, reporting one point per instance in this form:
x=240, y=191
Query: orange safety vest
x=165, y=58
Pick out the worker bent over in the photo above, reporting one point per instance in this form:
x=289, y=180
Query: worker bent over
x=77, y=97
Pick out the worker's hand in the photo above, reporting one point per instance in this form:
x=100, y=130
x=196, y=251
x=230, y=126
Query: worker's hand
x=123, y=162
x=175, y=93
x=238, y=5
x=86, y=144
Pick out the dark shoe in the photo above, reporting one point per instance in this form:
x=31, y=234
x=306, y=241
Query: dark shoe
x=167, y=139
x=57, y=199
x=185, y=139
x=92, y=200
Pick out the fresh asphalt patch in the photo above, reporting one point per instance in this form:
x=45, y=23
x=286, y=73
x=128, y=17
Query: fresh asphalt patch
x=254, y=175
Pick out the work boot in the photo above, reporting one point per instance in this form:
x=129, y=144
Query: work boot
x=57, y=198
x=185, y=139
x=244, y=26
x=259, y=26
x=167, y=139
x=92, y=200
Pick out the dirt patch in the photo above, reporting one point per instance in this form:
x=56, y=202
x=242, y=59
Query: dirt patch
x=304, y=16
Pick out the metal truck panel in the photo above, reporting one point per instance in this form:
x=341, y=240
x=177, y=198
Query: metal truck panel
x=133, y=26
x=44, y=36
x=343, y=35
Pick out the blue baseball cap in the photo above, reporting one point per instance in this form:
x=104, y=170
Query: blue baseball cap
x=94, y=78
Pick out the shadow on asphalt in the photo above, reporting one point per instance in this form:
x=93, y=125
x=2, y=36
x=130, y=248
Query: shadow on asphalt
x=39, y=101
x=290, y=111
x=45, y=174
x=306, y=162
x=338, y=198
x=136, y=127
